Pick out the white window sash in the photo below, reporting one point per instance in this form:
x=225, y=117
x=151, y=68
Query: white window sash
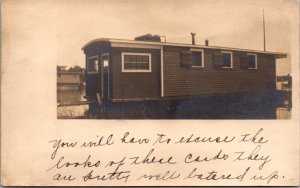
x=136, y=70
x=231, y=59
x=255, y=59
x=202, y=58
x=88, y=66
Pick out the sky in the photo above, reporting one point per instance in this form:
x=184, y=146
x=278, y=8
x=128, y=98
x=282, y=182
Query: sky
x=64, y=26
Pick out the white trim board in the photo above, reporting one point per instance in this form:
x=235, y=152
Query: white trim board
x=87, y=62
x=202, y=57
x=255, y=55
x=156, y=45
x=231, y=59
x=162, y=71
x=142, y=54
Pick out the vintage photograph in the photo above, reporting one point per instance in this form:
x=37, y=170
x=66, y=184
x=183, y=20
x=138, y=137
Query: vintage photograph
x=150, y=93
x=158, y=60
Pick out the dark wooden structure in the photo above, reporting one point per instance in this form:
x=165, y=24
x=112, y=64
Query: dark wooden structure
x=135, y=70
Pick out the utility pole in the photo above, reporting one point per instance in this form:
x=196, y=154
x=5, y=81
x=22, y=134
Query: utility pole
x=264, y=30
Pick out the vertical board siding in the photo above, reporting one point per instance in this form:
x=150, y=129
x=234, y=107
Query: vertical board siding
x=179, y=81
x=132, y=85
x=93, y=81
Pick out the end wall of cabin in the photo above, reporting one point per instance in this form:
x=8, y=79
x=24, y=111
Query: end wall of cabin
x=180, y=81
x=93, y=81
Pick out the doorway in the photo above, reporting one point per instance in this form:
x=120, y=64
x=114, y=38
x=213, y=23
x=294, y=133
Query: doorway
x=105, y=76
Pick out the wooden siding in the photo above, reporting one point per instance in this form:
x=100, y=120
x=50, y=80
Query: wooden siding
x=132, y=85
x=179, y=81
x=93, y=81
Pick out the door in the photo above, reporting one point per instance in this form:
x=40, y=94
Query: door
x=93, y=79
x=105, y=76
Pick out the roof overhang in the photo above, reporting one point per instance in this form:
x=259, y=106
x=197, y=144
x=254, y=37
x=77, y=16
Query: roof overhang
x=131, y=45
x=158, y=45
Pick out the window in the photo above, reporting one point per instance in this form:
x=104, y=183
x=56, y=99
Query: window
x=92, y=64
x=105, y=60
x=192, y=58
x=227, y=59
x=198, y=58
x=136, y=62
x=248, y=61
x=186, y=58
x=252, y=61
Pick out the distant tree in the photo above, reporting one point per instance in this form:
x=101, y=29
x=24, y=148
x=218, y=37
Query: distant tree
x=78, y=68
x=71, y=69
x=61, y=68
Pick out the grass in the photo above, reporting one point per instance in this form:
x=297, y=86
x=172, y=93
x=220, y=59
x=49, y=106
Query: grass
x=72, y=112
x=220, y=107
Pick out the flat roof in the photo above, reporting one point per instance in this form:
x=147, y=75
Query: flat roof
x=159, y=44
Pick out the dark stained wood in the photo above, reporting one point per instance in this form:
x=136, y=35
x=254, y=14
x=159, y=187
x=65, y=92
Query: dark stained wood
x=131, y=85
x=217, y=60
x=244, y=62
x=93, y=81
x=180, y=81
x=186, y=58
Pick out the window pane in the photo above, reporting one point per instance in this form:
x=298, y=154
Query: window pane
x=139, y=66
x=134, y=65
x=126, y=59
x=139, y=59
x=132, y=58
x=251, y=61
x=93, y=65
x=105, y=63
x=226, y=60
x=146, y=59
x=198, y=58
x=136, y=62
x=146, y=66
x=127, y=66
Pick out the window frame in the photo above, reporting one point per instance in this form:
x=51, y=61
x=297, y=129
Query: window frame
x=93, y=72
x=102, y=59
x=231, y=59
x=202, y=58
x=255, y=55
x=136, y=54
x=102, y=73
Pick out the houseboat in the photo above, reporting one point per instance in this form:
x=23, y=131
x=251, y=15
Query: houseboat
x=146, y=69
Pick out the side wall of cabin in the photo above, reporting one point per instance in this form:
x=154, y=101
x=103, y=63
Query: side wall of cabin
x=135, y=85
x=180, y=81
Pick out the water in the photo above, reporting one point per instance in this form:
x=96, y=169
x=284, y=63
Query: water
x=70, y=94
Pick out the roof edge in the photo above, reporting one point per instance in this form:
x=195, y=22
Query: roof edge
x=277, y=54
